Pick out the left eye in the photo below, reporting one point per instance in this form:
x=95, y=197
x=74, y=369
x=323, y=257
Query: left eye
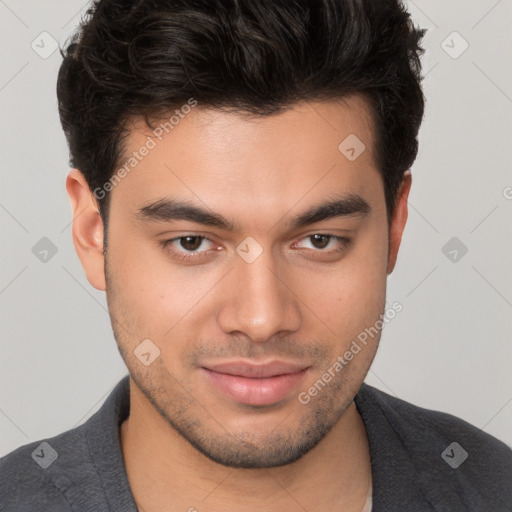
x=322, y=242
x=190, y=243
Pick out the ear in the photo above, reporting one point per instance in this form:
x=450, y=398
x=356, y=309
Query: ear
x=87, y=228
x=398, y=220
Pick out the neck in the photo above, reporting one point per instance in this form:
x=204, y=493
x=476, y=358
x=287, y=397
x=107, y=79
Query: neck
x=166, y=473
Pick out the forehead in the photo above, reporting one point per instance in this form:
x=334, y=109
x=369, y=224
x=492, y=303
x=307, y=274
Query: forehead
x=227, y=159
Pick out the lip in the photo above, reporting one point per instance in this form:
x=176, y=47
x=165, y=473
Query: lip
x=255, y=384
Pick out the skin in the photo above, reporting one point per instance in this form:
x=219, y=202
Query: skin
x=296, y=302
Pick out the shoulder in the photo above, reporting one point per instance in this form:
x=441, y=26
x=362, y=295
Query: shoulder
x=34, y=476
x=433, y=425
x=80, y=469
x=445, y=451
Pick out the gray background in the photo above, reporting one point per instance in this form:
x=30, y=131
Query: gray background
x=449, y=349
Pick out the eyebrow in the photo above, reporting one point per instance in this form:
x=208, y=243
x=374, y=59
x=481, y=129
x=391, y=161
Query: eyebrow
x=168, y=210
x=350, y=205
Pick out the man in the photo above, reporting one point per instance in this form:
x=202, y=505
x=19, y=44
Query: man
x=240, y=184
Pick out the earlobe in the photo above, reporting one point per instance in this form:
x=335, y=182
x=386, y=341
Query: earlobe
x=87, y=228
x=398, y=220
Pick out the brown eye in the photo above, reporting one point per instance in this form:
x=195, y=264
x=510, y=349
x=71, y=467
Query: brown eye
x=191, y=243
x=323, y=245
x=190, y=249
x=320, y=241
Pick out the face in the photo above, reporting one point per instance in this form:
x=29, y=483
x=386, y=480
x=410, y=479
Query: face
x=249, y=254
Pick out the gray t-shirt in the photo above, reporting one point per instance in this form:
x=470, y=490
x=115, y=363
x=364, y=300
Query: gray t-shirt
x=421, y=461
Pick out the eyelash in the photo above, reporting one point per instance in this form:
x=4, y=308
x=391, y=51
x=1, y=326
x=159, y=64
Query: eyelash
x=344, y=243
x=186, y=256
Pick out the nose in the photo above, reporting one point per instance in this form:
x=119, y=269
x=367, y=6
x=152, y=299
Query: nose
x=259, y=302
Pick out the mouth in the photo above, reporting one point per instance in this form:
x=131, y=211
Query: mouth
x=255, y=384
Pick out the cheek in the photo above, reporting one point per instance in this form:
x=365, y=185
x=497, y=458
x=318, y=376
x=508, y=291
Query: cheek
x=172, y=307
x=344, y=305
x=141, y=288
x=352, y=291
x=355, y=282
x=151, y=284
